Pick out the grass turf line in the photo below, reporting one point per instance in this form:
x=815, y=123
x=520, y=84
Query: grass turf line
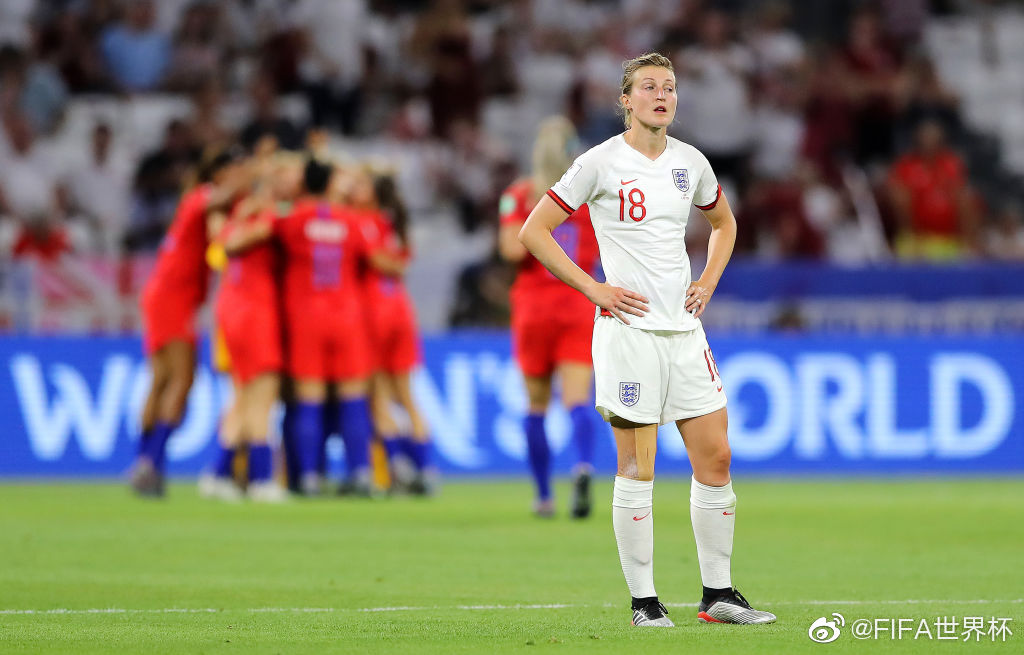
x=84, y=546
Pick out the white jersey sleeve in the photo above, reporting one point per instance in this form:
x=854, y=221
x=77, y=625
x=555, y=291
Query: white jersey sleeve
x=577, y=186
x=708, y=190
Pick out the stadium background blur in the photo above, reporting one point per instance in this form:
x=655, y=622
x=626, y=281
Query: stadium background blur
x=803, y=108
x=810, y=113
x=854, y=337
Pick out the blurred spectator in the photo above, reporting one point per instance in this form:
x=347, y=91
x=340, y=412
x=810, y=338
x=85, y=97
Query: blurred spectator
x=198, y=48
x=98, y=191
x=778, y=128
x=98, y=15
x=600, y=71
x=331, y=68
x=34, y=87
x=40, y=237
x=266, y=120
x=158, y=184
x=479, y=169
x=481, y=298
x=74, y=51
x=714, y=78
x=931, y=199
x=904, y=19
x=15, y=22
x=775, y=47
x=136, y=52
x=777, y=211
x=1005, y=239
x=921, y=95
x=828, y=114
x=872, y=69
x=501, y=80
x=30, y=184
x=442, y=38
x=207, y=123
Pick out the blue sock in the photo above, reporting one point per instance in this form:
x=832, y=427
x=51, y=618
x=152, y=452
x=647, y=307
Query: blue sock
x=309, y=435
x=420, y=453
x=144, y=438
x=259, y=463
x=156, y=446
x=538, y=454
x=393, y=447
x=407, y=445
x=225, y=462
x=331, y=428
x=583, y=433
x=291, y=455
x=356, y=430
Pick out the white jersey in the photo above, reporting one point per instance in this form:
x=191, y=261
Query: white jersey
x=639, y=209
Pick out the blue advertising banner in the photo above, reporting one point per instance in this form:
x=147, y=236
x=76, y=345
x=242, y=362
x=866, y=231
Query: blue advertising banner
x=797, y=404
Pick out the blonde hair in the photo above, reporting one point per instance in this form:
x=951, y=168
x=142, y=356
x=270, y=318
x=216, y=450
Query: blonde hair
x=552, y=151
x=631, y=66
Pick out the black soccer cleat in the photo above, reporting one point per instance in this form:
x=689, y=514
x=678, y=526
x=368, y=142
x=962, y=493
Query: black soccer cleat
x=581, y=495
x=731, y=607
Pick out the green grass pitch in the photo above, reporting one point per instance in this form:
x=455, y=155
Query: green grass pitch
x=465, y=572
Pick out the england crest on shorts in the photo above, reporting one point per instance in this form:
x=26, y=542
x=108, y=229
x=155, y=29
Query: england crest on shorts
x=629, y=393
x=681, y=177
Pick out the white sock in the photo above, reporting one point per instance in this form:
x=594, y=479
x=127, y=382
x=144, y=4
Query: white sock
x=633, y=520
x=713, y=514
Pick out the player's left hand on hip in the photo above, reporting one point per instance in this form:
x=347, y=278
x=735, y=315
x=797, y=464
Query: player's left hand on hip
x=697, y=297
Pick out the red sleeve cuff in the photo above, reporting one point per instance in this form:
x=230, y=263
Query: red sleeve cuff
x=711, y=205
x=561, y=203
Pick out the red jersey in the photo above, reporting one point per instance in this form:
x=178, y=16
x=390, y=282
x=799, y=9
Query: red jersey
x=324, y=249
x=181, y=260
x=386, y=293
x=250, y=275
x=934, y=186
x=536, y=291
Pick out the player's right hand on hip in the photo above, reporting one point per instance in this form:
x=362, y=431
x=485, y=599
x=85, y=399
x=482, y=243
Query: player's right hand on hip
x=618, y=301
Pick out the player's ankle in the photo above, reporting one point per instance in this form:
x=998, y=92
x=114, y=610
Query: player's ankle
x=640, y=603
x=711, y=593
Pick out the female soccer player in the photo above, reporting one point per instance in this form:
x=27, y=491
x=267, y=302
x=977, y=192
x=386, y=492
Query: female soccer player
x=393, y=328
x=170, y=300
x=551, y=323
x=652, y=363
x=247, y=313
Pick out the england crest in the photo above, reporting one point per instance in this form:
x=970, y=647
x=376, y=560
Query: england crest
x=682, y=179
x=629, y=393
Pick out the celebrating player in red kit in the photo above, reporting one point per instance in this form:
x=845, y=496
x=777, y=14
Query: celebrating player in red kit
x=170, y=300
x=393, y=329
x=551, y=322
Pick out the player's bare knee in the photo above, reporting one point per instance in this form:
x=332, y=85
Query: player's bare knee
x=644, y=473
x=721, y=459
x=627, y=468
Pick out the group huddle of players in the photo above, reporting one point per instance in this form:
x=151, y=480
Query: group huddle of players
x=310, y=310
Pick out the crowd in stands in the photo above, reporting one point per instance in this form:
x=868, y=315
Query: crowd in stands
x=839, y=129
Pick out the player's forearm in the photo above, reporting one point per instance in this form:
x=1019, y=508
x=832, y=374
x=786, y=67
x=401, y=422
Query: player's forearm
x=720, y=247
x=387, y=263
x=244, y=237
x=537, y=239
x=509, y=247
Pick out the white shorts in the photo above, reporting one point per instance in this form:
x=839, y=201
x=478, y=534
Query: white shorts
x=654, y=376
